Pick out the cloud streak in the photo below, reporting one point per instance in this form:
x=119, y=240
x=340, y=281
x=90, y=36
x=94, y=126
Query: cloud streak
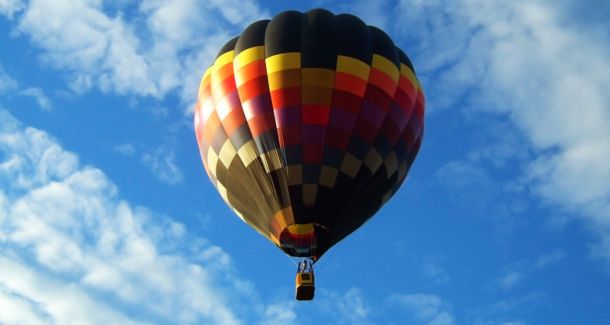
x=520, y=270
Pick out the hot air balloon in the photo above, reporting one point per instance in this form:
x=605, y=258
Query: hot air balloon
x=307, y=124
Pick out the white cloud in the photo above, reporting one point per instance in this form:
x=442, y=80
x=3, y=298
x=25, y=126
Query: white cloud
x=555, y=80
x=187, y=34
x=178, y=31
x=425, y=308
x=166, y=47
x=98, y=50
x=38, y=94
x=21, y=148
x=518, y=60
x=162, y=164
x=10, y=7
x=74, y=252
x=59, y=302
x=22, y=310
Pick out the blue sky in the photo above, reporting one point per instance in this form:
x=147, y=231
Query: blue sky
x=107, y=216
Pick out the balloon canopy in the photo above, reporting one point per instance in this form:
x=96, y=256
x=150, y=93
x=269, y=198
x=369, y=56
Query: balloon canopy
x=307, y=124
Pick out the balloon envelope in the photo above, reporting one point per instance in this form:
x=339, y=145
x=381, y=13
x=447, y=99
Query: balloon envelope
x=307, y=124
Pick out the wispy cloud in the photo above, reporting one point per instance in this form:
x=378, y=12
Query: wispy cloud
x=374, y=13
x=125, y=149
x=7, y=83
x=520, y=270
x=10, y=86
x=425, y=308
x=486, y=179
x=74, y=252
x=279, y=314
x=432, y=267
x=350, y=307
x=38, y=94
x=162, y=163
x=504, y=311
